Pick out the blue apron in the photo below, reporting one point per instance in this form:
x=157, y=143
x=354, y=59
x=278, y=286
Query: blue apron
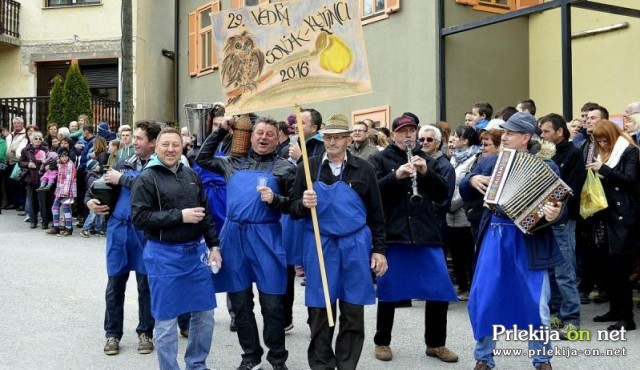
x=346, y=245
x=179, y=278
x=292, y=233
x=124, y=242
x=504, y=291
x=215, y=187
x=251, y=238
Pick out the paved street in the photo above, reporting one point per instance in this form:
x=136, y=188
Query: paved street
x=52, y=300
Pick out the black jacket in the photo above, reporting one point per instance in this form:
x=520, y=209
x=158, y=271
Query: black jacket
x=572, y=171
x=133, y=163
x=158, y=197
x=283, y=170
x=621, y=188
x=360, y=176
x=408, y=223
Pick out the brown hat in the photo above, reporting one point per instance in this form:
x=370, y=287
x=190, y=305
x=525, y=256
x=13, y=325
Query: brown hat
x=337, y=124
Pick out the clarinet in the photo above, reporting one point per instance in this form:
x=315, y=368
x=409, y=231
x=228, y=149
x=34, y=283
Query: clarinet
x=415, y=197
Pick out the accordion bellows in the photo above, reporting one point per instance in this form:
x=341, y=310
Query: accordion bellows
x=521, y=184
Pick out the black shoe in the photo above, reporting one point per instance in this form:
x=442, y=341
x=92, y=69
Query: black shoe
x=33, y=226
x=404, y=303
x=45, y=226
x=584, y=298
x=9, y=206
x=250, y=365
x=280, y=367
x=22, y=213
x=609, y=316
x=184, y=333
x=20, y=208
x=232, y=326
x=628, y=325
x=601, y=298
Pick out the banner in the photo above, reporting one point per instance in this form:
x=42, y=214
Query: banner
x=276, y=55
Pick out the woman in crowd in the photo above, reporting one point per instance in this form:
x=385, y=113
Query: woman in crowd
x=574, y=128
x=466, y=144
x=100, y=151
x=31, y=158
x=27, y=204
x=617, y=166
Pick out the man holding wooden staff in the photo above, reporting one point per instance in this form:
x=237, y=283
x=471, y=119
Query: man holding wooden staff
x=251, y=240
x=351, y=221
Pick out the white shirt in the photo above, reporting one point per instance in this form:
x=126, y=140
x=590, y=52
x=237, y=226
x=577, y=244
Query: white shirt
x=335, y=168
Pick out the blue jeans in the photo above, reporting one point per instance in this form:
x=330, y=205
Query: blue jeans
x=198, y=344
x=485, y=346
x=565, y=298
x=94, y=222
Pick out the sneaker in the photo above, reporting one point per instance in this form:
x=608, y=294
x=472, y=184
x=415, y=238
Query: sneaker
x=463, y=296
x=443, y=353
x=145, y=345
x=482, y=365
x=288, y=327
x=280, y=367
x=544, y=366
x=303, y=282
x=41, y=189
x=184, y=333
x=249, y=365
x=85, y=234
x=556, y=322
x=66, y=232
x=383, y=353
x=112, y=347
x=27, y=219
x=564, y=332
x=101, y=233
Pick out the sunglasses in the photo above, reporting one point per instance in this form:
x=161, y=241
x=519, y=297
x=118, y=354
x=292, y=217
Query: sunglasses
x=428, y=139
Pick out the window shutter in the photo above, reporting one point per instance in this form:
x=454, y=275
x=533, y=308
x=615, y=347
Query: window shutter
x=237, y=4
x=215, y=7
x=193, y=44
x=527, y=3
x=393, y=6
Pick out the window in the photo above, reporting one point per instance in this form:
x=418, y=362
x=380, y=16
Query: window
x=499, y=6
x=375, y=10
x=55, y=3
x=202, y=55
x=241, y=3
x=379, y=116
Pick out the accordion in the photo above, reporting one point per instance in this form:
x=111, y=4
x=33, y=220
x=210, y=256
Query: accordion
x=521, y=184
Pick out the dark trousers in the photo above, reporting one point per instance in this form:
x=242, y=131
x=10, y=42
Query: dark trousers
x=590, y=259
x=81, y=184
x=348, y=343
x=619, y=287
x=183, y=321
x=461, y=246
x=273, y=333
x=114, y=314
x=39, y=204
x=435, y=323
x=287, y=300
x=16, y=193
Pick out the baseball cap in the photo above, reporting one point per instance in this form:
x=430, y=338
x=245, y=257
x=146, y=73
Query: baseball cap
x=521, y=122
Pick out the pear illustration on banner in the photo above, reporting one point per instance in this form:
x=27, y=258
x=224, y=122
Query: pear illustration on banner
x=336, y=56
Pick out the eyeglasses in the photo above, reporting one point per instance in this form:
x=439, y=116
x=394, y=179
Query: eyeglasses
x=428, y=139
x=334, y=138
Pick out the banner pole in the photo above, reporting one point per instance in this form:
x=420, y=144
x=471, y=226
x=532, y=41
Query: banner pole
x=314, y=216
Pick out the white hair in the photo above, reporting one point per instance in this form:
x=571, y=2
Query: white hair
x=432, y=128
x=17, y=119
x=63, y=132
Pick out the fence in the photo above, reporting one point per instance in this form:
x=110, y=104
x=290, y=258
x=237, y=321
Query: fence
x=10, y=18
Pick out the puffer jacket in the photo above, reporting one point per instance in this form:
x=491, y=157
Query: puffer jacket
x=457, y=216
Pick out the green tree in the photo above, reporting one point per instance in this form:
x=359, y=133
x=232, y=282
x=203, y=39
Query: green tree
x=56, y=103
x=77, y=97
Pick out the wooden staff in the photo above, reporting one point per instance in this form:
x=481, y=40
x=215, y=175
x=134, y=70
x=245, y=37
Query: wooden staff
x=314, y=216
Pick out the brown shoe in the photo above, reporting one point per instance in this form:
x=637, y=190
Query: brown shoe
x=53, y=231
x=443, y=353
x=544, y=366
x=145, y=344
x=112, y=347
x=383, y=353
x=481, y=365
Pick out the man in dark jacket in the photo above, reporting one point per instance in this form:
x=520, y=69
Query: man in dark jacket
x=498, y=299
x=312, y=121
x=565, y=298
x=125, y=243
x=417, y=266
x=347, y=200
x=252, y=239
x=170, y=205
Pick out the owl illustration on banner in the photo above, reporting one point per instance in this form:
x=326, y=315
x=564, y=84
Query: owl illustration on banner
x=242, y=64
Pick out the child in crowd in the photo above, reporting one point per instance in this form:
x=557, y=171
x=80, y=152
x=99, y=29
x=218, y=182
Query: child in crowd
x=93, y=224
x=66, y=191
x=50, y=177
x=114, y=145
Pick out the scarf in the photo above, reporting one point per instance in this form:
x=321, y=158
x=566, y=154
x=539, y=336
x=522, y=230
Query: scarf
x=621, y=145
x=463, y=155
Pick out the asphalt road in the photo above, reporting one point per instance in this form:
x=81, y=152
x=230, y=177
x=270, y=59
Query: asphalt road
x=52, y=305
